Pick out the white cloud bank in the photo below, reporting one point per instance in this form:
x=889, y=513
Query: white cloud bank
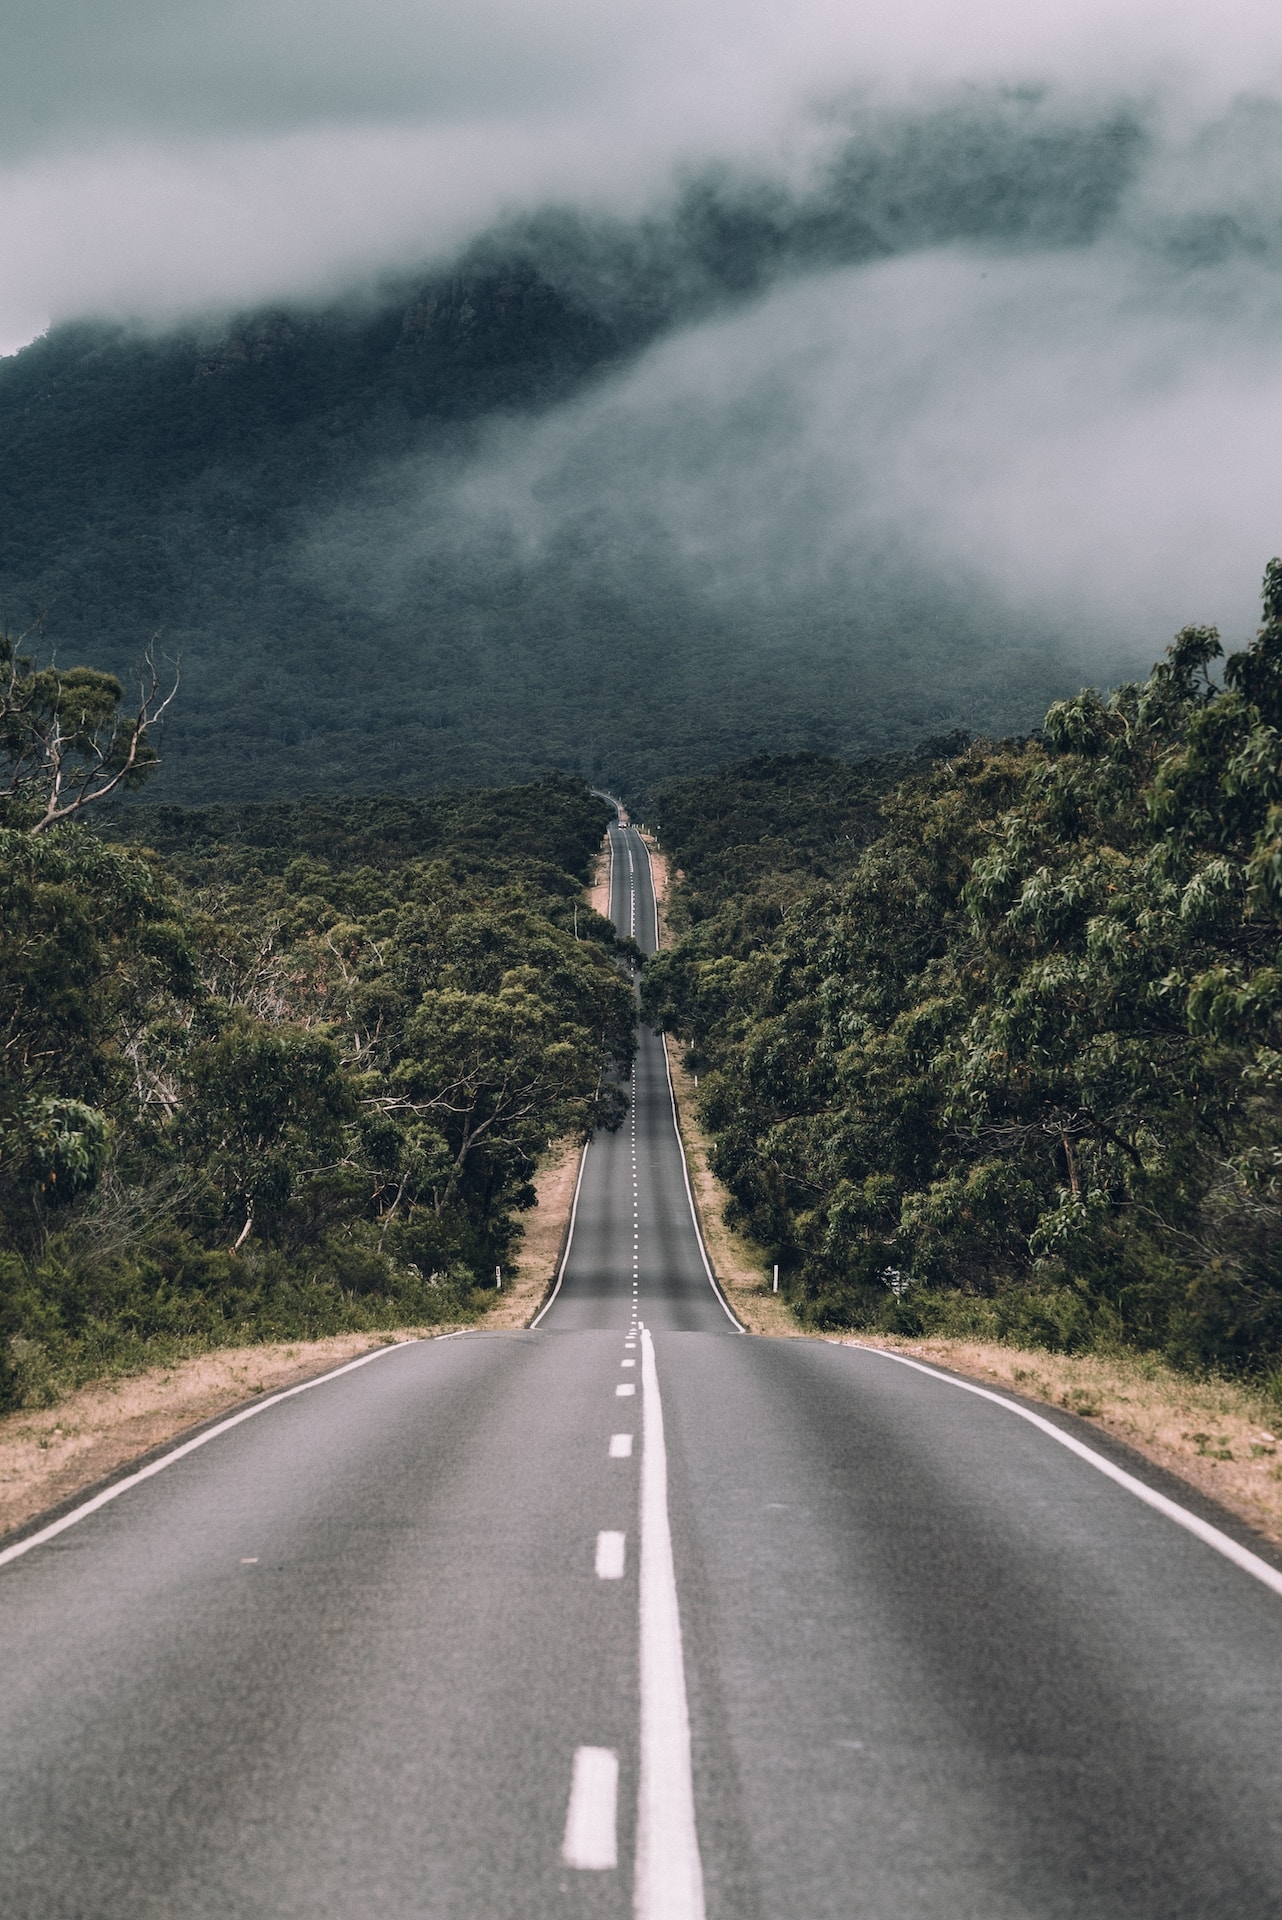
x=1085, y=437
x=1084, y=445
x=160, y=157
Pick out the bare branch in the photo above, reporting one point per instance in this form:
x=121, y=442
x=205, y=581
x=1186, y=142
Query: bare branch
x=64, y=745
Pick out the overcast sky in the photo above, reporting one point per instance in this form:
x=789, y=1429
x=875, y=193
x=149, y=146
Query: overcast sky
x=159, y=157
x=1089, y=433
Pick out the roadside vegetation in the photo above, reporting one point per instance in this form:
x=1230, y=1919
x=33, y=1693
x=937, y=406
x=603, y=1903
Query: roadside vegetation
x=273, y=1071
x=991, y=1046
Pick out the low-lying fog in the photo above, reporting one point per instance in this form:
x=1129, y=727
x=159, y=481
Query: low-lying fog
x=982, y=393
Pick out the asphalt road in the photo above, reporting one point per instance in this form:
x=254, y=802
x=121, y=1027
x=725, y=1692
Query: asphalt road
x=818, y=1635
x=633, y=1201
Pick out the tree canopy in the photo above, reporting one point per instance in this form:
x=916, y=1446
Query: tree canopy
x=287, y=1070
x=1028, y=1047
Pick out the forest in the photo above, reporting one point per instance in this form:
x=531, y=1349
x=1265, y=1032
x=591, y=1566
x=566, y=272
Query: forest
x=276, y=1070
x=988, y=1032
x=993, y=1043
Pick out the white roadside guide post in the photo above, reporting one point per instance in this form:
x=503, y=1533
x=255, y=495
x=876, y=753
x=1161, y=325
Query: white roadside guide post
x=498, y=1278
x=775, y=1287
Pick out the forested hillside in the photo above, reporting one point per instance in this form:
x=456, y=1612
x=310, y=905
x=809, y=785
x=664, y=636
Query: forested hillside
x=337, y=518
x=278, y=1071
x=1013, y=1063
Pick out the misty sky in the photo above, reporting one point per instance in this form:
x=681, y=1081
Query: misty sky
x=164, y=155
x=1089, y=431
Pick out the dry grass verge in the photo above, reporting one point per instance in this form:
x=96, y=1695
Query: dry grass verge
x=599, y=891
x=738, y=1264
x=659, y=879
x=544, y=1233
x=47, y=1456
x=1219, y=1435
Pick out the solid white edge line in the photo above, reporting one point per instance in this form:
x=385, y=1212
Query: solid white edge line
x=669, y=1873
x=569, y=1238
x=1201, y=1529
x=736, y=1323
x=654, y=898
x=583, y=1160
x=114, y=1491
x=591, y=1819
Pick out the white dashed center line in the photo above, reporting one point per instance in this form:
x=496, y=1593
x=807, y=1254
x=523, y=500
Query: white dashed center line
x=590, y=1824
x=611, y=1552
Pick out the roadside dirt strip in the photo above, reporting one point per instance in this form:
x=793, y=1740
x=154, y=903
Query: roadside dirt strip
x=543, y=1241
x=739, y=1266
x=1222, y=1437
x=50, y=1454
x=599, y=891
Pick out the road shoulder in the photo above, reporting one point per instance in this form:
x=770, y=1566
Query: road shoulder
x=740, y=1267
x=49, y=1455
x=544, y=1229
x=1218, y=1436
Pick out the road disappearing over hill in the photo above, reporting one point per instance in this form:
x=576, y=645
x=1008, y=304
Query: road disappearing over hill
x=635, y=1614
x=634, y=1221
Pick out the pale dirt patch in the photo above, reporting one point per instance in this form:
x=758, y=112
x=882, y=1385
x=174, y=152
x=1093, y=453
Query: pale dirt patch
x=740, y=1266
x=49, y=1454
x=659, y=881
x=544, y=1233
x=599, y=891
x=1218, y=1435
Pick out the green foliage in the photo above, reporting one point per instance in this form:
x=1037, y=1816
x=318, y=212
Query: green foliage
x=64, y=743
x=88, y=938
x=291, y=1074
x=1028, y=1049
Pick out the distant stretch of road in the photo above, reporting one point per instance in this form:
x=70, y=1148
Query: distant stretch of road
x=634, y=1225
x=634, y=1613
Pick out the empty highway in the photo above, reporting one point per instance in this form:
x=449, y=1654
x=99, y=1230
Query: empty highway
x=634, y=1613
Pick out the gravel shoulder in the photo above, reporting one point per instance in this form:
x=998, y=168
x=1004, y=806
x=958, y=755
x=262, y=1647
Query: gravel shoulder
x=49, y=1454
x=599, y=891
x=543, y=1240
x=1220, y=1436
x=740, y=1267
